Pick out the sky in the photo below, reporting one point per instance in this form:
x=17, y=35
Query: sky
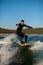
x=13, y=11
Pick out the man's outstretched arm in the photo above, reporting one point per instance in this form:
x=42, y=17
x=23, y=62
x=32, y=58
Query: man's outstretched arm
x=27, y=26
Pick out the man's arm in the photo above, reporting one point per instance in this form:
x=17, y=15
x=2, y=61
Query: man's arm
x=27, y=26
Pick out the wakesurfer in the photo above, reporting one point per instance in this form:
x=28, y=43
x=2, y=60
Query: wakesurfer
x=19, y=30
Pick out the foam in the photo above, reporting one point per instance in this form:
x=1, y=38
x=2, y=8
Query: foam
x=7, y=51
x=10, y=39
x=37, y=49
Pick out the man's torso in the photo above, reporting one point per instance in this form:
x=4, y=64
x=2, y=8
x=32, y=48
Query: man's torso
x=19, y=29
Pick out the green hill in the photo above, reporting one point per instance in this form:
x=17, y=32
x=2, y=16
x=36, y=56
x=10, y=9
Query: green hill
x=7, y=31
x=28, y=31
x=34, y=31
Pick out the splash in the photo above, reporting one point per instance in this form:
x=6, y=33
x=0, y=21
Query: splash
x=37, y=49
x=10, y=39
x=7, y=52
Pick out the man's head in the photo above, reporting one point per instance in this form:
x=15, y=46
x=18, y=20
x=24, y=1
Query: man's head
x=22, y=22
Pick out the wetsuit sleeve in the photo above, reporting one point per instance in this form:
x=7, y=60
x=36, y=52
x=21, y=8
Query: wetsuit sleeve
x=27, y=26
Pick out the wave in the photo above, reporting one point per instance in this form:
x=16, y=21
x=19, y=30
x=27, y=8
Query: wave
x=8, y=50
x=37, y=45
x=10, y=39
x=7, y=53
x=37, y=49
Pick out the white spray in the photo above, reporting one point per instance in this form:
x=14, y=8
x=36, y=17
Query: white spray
x=7, y=51
x=37, y=49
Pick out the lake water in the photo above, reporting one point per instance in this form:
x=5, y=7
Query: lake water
x=8, y=49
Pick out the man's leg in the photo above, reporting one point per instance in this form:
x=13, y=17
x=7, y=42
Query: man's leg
x=21, y=35
x=26, y=38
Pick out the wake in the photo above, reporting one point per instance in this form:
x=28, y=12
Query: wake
x=37, y=49
x=10, y=40
x=8, y=50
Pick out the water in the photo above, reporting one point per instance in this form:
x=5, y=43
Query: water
x=37, y=48
x=2, y=37
x=9, y=48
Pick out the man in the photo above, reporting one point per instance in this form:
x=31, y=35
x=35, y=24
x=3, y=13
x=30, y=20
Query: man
x=19, y=30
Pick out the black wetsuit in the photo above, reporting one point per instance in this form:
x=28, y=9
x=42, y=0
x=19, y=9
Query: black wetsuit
x=19, y=31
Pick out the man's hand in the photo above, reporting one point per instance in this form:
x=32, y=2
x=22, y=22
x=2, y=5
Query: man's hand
x=17, y=25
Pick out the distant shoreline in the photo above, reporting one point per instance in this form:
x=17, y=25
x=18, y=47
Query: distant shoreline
x=27, y=34
x=36, y=31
